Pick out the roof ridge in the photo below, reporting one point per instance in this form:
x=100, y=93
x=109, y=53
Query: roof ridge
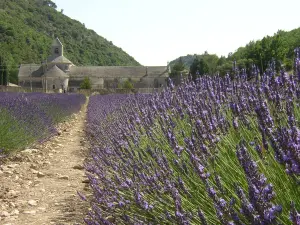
x=55, y=71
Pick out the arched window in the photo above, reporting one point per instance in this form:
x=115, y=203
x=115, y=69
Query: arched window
x=56, y=51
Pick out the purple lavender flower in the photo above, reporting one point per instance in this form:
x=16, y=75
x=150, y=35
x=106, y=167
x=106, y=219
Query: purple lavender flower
x=294, y=215
x=259, y=206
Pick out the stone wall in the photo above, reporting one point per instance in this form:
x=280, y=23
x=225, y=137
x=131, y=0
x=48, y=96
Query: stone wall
x=56, y=84
x=34, y=83
x=108, y=71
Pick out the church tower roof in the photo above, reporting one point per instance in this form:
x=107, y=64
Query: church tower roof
x=56, y=42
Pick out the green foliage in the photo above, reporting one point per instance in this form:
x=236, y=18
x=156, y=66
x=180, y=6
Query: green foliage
x=3, y=72
x=209, y=63
x=279, y=47
x=177, y=68
x=26, y=118
x=86, y=83
x=12, y=133
x=27, y=28
x=186, y=60
x=211, y=60
x=127, y=85
x=199, y=67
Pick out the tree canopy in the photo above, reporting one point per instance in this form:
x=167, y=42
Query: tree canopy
x=3, y=72
x=199, y=67
x=127, y=84
x=177, y=68
x=86, y=83
x=278, y=48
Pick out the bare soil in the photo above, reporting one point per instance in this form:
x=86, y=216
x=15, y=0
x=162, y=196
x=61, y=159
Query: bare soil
x=39, y=185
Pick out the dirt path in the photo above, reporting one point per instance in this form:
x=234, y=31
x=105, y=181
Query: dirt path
x=39, y=186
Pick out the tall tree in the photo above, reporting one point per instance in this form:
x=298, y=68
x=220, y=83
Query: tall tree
x=211, y=61
x=177, y=68
x=199, y=67
x=86, y=83
x=127, y=85
x=3, y=72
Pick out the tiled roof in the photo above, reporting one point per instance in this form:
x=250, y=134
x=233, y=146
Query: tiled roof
x=117, y=71
x=99, y=71
x=55, y=72
x=27, y=70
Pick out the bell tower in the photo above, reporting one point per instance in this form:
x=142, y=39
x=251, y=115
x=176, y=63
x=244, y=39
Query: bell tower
x=57, y=48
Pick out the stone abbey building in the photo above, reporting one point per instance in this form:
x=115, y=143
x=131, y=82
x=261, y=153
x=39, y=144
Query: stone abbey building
x=58, y=73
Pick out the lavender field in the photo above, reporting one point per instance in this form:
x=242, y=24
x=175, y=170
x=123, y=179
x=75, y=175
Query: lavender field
x=26, y=118
x=218, y=150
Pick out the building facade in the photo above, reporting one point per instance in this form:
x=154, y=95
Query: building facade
x=60, y=74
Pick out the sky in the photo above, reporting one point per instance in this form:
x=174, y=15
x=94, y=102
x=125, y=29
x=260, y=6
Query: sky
x=157, y=31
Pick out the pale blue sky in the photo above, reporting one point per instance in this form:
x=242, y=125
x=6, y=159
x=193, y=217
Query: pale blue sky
x=157, y=31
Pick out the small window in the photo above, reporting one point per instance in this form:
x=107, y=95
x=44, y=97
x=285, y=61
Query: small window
x=56, y=51
x=53, y=86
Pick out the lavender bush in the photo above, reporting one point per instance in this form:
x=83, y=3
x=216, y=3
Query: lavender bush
x=26, y=118
x=212, y=151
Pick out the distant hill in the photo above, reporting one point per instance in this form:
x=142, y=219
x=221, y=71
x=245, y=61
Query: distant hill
x=278, y=48
x=186, y=60
x=27, y=28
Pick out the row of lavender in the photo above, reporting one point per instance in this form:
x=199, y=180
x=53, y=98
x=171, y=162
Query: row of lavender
x=29, y=117
x=213, y=151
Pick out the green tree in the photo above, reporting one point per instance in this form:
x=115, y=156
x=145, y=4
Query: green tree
x=279, y=48
x=177, y=69
x=127, y=85
x=199, y=67
x=86, y=83
x=211, y=61
x=3, y=72
x=225, y=68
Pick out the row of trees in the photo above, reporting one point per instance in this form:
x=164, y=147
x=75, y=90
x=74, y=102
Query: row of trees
x=278, y=48
x=127, y=84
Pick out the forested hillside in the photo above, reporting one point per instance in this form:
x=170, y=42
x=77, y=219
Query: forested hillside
x=278, y=48
x=27, y=28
